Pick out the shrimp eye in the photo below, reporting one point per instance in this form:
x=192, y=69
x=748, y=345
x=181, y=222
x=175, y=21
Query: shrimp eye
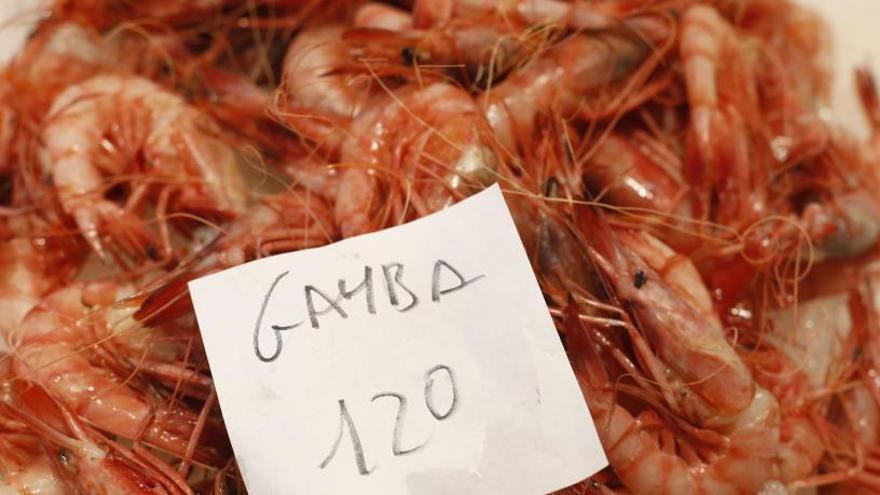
x=5, y=191
x=63, y=456
x=151, y=252
x=550, y=186
x=640, y=279
x=408, y=55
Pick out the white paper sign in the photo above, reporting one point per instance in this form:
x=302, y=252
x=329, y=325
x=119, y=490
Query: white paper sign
x=416, y=360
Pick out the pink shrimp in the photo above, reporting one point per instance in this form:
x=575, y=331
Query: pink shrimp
x=645, y=466
x=786, y=430
x=32, y=263
x=486, y=43
x=569, y=79
x=317, y=98
x=357, y=120
x=61, y=53
x=801, y=444
x=103, y=13
x=718, y=147
x=24, y=282
x=840, y=211
x=58, y=347
x=797, y=35
x=674, y=312
x=83, y=460
x=577, y=15
x=862, y=403
x=432, y=140
x=637, y=172
x=790, y=120
x=476, y=50
x=845, y=227
x=25, y=466
x=807, y=355
x=112, y=125
x=381, y=16
x=841, y=217
x=829, y=208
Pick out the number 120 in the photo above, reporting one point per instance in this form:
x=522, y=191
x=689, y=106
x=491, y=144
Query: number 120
x=346, y=421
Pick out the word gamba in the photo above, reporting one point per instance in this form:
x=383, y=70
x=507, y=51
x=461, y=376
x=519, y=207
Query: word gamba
x=319, y=302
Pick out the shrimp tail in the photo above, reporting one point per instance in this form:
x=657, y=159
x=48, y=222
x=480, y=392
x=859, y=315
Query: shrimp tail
x=106, y=220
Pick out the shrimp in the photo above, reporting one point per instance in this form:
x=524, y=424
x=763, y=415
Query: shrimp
x=795, y=33
x=841, y=217
x=829, y=210
x=60, y=54
x=675, y=313
x=845, y=228
x=862, y=403
x=317, y=98
x=801, y=445
x=840, y=211
x=25, y=466
x=24, y=282
x=477, y=50
x=353, y=119
x=86, y=462
x=718, y=147
x=381, y=16
x=112, y=125
x=556, y=253
x=32, y=263
x=637, y=172
x=566, y=78
x=790, y=119
x=58, y=345
x=103, y=13
x=811, y=353
x=577, y=15
x=744, y=465
x=432, y=139
x=781, y=416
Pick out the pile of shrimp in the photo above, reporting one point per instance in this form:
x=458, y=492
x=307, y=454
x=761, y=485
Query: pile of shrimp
x=704, y=234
